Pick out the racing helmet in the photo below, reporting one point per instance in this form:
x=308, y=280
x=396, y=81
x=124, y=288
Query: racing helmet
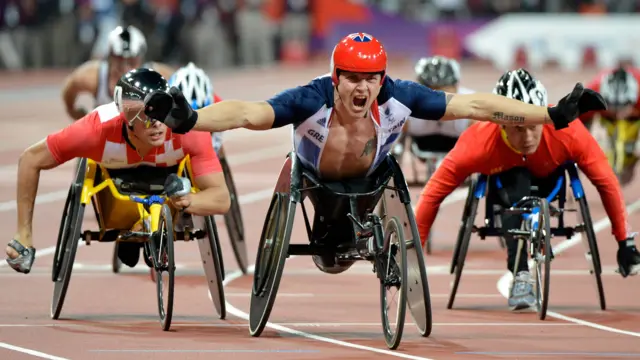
x=521, y=85
x=127, y=42
x=619, y=88
x=194, y=84
x=437, y=71
x=358, y=52
x=134, y=86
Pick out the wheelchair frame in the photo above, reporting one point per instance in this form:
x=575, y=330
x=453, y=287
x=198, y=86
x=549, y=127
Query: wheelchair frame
x=478, y=190
x=369, y=242
x=153, y=212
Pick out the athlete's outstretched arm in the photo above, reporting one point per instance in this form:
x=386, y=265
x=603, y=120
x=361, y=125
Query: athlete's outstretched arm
x=34, y=159
x=494, y=108
x=233, y=114
x=82, y=79
x=287, y=107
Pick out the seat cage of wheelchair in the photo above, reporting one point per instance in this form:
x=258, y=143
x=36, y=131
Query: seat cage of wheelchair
x=558, y=192
x=126, y=202
x=364, y=225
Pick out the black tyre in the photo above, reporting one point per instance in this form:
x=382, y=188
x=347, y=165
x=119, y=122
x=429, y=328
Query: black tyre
x=164, y=262
x=394, y=261
x=68, y=238
x=592, y=249
x=233, y=221
x=270, y=260
x=462, y=244
x=212, y=262
x=542, y=258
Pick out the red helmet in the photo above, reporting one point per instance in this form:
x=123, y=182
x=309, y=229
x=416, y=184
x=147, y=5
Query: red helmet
x=358, y=52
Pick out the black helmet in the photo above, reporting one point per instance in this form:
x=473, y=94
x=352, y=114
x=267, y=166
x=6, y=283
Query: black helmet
x=437, y=71
x=619, y=88
x=136, y=84
x=521, y=85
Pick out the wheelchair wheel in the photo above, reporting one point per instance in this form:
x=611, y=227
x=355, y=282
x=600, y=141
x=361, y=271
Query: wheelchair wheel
x=213, y=267
x=164, y=260
x=270, y=260
x=233, y=220
x=593, y=255
x=68, y=238
x=465, y=214
x=462, y=243
x=542, y=256
x=394, y=264
x=116, y=264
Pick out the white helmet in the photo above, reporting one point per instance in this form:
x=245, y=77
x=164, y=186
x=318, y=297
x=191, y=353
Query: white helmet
x=127, y=42
x=619, y=88
x=194, y=84
x=521, y=85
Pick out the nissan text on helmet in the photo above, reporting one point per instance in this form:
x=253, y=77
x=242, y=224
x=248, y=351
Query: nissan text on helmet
x=361, y=60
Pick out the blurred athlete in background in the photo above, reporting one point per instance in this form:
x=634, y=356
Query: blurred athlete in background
x=127, y=47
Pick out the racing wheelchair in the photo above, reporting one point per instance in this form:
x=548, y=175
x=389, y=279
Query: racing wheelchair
x=537, y=213
x=132, y=210
x=622, y=134
x=346, y=228
x=232, y=220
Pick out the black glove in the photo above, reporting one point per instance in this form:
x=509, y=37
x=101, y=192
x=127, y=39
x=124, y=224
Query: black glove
x=177, y=186
x=172, y=109
x=580, y=101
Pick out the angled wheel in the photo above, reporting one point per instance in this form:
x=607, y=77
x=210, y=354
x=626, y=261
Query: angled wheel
x=233, y=220
x=68, y=238
x=541, y=254
x=393, y=281
x=462, y=243
x=116, y=264
x=161, y=246
x=212, y=263
x=270, y=260
x=592, y=254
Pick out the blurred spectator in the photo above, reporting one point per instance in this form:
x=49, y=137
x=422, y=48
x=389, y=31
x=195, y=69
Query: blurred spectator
x=255, y=34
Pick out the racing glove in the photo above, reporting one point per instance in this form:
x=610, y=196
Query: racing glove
x=580, y=101
x=172, y=109
x=177, y=186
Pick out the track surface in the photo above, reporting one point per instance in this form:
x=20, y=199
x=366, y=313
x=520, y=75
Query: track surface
x=109, y=316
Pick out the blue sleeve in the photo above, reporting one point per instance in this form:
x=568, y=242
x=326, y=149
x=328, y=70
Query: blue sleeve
x=424, y=103
x=295, y=105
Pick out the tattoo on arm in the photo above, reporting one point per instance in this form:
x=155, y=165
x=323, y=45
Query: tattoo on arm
x=500, y=116
x=369, y=147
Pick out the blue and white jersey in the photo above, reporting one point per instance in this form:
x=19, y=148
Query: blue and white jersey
x=308, y=108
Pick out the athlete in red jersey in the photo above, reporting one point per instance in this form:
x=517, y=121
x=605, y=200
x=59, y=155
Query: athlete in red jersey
x=522, y=155
x=111, y=136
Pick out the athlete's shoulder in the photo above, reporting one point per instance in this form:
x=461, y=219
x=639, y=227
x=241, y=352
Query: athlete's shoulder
x=481, y=131
x=301, y=102
x=108, y=113
x=423, y=102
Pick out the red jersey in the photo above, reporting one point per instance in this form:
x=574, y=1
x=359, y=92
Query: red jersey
x=481, y=149
x=99, y=136
x=595, y=86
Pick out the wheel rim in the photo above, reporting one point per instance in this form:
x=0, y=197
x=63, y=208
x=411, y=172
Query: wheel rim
x=265, y=259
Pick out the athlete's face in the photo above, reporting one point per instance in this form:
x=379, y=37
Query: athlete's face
x=525, y=139
x=145, y=129
x=118, y=66
x=357, y=91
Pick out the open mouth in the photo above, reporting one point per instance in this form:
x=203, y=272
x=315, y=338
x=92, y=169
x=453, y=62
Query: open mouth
x=359, y=101
x=156, y=135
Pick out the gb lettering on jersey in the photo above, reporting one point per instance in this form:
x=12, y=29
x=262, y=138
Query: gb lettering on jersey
x=311, y=135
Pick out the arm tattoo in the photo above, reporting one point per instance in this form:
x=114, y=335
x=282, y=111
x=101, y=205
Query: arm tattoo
x=508, y=118
x=369, y=147
x=449, y=97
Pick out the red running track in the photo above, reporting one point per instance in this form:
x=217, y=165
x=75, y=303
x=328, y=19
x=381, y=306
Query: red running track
x=318, y=316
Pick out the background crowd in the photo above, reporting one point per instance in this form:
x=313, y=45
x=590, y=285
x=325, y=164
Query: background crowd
x=214, y=33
